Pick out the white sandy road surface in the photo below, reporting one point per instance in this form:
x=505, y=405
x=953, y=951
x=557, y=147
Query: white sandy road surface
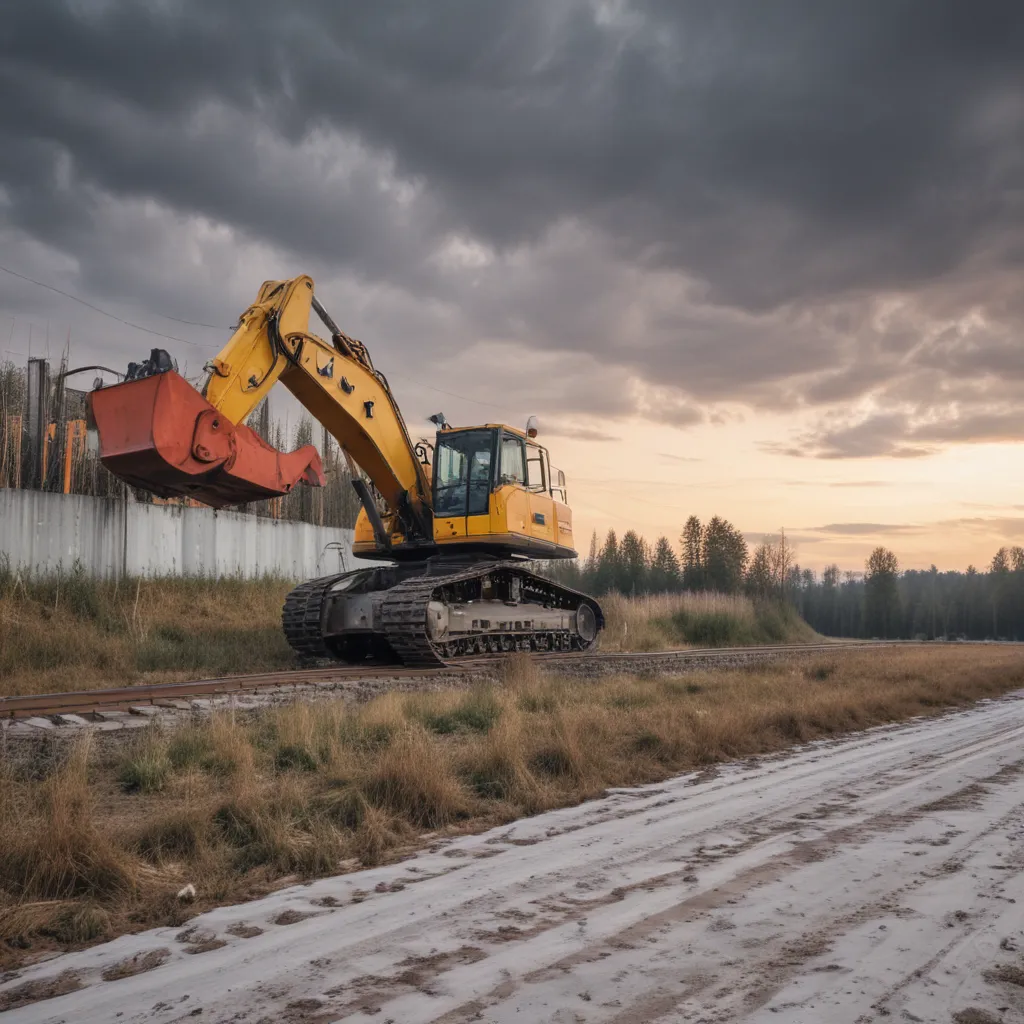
x=876, y=878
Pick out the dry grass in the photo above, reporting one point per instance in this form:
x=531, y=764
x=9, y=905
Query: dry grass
x=68, y=632
x=665, y=621
x=100, y=842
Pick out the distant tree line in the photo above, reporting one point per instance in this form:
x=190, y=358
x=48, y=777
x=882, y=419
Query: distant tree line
x=923, y=604
x=880, y=601
x=711, y=556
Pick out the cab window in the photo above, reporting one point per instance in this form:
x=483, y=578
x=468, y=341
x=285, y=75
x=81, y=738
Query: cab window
x=462, y=473
x=535, y=476
x=513, y=464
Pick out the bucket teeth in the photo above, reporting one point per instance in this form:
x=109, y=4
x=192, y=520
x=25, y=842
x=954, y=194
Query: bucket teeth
x=159, y=434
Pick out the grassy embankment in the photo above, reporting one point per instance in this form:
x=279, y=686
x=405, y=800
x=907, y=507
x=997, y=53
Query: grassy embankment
x=68, y=632
x=98, y=840
x=665, y=621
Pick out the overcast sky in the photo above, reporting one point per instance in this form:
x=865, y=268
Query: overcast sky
x=760, y=258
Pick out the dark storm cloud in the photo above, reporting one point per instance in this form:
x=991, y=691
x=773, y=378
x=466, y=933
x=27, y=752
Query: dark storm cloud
x=709, y=198
x=899, y=435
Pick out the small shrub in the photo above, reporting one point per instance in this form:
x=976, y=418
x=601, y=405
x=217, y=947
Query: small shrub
x=537, y=701
x=494, y=765
x=647, y=742
x=629, y=698
x=67, y=921
x=707, y=628
x=178, y=835
x=189, y=747
x=412, y=778
x=476, y=713
x=821, y=671
x=80, y=922
x=58, y=850
x=228, y=748
x=552, y=760
x=144, y=772
x=378, y=833
x=238, y=822
x=345, y=806
x=294, y=756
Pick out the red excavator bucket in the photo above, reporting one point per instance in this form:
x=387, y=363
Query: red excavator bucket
x=161, y=435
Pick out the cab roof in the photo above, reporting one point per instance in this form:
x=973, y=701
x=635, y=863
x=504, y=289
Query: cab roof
x=488, y=426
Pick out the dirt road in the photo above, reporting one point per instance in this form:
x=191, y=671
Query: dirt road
x=879, y=877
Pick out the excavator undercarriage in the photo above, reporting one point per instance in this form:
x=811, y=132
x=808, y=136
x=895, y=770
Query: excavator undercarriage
x=432, y=613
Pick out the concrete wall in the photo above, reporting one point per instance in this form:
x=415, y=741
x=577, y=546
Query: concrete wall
x=111, y=538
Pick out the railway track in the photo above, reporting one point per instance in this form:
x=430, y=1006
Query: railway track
x=147, y=700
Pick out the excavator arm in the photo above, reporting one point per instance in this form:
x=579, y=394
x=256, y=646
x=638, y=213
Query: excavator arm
x=162, y=435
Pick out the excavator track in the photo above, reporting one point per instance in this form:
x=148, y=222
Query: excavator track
x=302, y=617
x=404, y=606
x=404, y=616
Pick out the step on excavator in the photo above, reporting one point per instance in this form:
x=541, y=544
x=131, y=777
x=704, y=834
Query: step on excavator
x=451, y=526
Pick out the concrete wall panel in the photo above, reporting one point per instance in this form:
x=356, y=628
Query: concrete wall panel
x=110, y=537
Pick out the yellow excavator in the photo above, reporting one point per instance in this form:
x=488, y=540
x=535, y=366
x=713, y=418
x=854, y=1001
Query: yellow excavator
x=454, y=523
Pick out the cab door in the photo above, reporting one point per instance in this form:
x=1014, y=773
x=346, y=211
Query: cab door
x=463, y=474
x=543, y=525
x=511, y=499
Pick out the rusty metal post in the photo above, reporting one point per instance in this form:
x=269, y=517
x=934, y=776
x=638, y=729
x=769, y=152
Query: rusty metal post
x=36, y=419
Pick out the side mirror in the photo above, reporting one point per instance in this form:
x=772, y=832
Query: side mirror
x=561, y=478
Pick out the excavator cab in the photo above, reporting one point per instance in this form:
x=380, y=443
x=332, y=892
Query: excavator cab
x=494, y=492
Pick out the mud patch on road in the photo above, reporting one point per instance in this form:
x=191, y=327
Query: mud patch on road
x=244, y=931
x=975, y=1015
x=1007, y=974
x=199, y=940
x=418, y=973
x=290, y=917
x=967, y=799
x=138, y=964
x=37, y=991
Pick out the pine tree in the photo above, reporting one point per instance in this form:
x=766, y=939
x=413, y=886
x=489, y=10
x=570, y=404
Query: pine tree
x=723, y=556
x=1000, y=586
x=664, y=576
x=607, y=576
x=633, y=564
x=692, y=544
x=759, y=581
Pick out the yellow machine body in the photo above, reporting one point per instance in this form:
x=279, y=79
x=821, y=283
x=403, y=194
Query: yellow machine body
x=524, y=516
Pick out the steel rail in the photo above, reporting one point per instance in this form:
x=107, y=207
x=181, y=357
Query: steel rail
x=83, y=702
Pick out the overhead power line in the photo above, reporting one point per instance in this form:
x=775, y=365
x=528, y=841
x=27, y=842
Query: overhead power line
x=103, y=312
x=195, y=323
x=450, y=394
